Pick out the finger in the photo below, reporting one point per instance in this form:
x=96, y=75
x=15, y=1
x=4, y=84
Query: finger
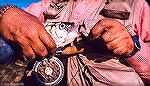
x=48, y=40
x=36, y=44
x=39, y=47
x=109, y=22
x=102, y=25
x=120, y=50
x=7, y=35
x=120, y=41
x=28, y=52
x=112, y=34
x=26, y=49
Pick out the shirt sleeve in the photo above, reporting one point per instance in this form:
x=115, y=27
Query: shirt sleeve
x=141, y=60
x=37, y=9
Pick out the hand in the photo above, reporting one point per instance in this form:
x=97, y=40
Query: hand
x=24, y=28
x=114, y=35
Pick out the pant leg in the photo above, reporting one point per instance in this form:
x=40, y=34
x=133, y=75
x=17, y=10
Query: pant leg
x=107, y=73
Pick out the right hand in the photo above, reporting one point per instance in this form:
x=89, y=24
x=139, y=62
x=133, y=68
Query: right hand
x=24, y=28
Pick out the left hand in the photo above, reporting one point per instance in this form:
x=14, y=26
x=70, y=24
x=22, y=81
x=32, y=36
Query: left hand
x=26, y=29
x=115, y=36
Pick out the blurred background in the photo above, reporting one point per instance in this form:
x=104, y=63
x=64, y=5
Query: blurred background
x=18, y=3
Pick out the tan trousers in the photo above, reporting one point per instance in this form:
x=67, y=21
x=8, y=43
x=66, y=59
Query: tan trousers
x=84, y=72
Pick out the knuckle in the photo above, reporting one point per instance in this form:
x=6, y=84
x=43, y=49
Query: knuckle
x=103, y=21
x=106, y=37
x=112, y=30
x=123, y=31
x=109, y=46
x=20, y=39
x=31, y=35
x=8, y=37
x=95, y=33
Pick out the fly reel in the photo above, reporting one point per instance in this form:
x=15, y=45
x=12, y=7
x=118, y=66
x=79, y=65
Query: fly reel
x=49, y=71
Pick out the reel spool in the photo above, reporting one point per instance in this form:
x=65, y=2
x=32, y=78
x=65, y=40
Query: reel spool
x=49, y=71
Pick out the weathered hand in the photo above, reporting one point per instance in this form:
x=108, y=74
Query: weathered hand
x=24, y=28
x=115, y=36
